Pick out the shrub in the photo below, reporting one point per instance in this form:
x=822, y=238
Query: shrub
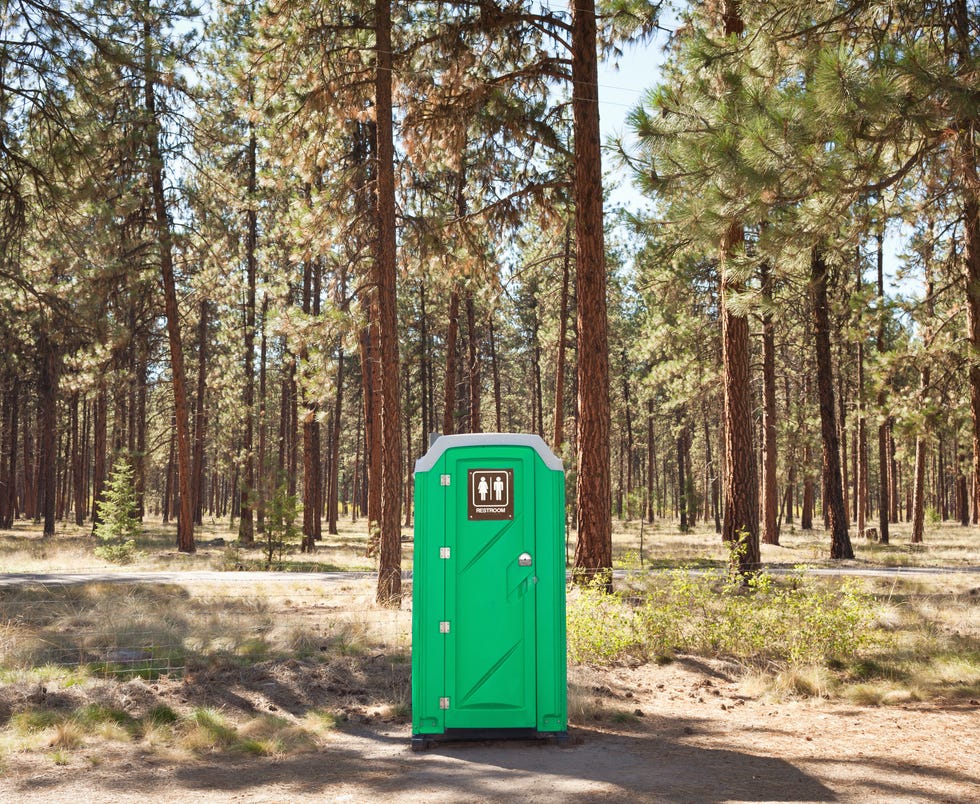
x=794, y=623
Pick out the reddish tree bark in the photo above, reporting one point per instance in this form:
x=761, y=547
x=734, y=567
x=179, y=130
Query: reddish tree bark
x=8, y=456
x=741, y=519
x=449, y=387
x=770, y=492
x=473, y=367
x=161, y=224
x=48, y=429
x=200, y=417
x=246, y=525
x=333, y=481
x=840, y=543
x=558, y=437
x=385, y=268
x=593, y=551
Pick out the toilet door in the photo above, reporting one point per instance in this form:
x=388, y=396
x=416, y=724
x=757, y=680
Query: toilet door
x=490, y=591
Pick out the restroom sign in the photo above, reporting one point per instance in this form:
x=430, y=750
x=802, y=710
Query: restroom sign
x=491, y=494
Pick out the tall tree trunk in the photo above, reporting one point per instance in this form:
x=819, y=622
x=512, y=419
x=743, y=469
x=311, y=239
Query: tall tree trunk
x=139, y=428
x=559, y=416
x=372, y=428
x=168, y=491
x=968, y=181
x=628, y=446
x=495, y=369
x=919, y=477
x=473, y=369
x=893, y=479
x=385, y=269
x=884, y=489
x=200, y=417
x=262, y=479
x=741, y=519
x=99, y=447
x=333, y=493
x=842, y=433
x=246, y=526
x=806, y=510
x=78, y=461
x=292, y=428
x=311, y=446
x=770, y=498
x=651, y=464
x=8, y=471
x=537, y=393
x=449, y=388
x=681, y=472
x=962, y=494
x=161, y=223
x=714, y=490
x=593, y=552
x=919, y=474
x=840, y=543
x=425, y=373
x=48, y=424
x=861, y=482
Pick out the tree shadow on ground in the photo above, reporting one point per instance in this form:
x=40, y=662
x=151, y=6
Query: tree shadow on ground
x=368, y=764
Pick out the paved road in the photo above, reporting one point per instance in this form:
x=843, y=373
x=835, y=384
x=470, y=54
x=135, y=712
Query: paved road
x=253, y=578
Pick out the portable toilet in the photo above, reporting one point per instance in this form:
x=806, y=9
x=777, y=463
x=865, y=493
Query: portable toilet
x=488, y=593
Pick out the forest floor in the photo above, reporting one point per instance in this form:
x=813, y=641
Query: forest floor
x=685, y=731
x=296, y=691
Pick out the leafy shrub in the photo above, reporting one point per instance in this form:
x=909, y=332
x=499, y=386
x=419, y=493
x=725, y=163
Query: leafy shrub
x=794, y=623
x=602, y=628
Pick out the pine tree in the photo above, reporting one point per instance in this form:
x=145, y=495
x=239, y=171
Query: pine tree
x=119, y=527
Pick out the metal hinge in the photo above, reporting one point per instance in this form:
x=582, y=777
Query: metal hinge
x=443, y=703
x=445, y=480
x=443, y=552
x=444, y=627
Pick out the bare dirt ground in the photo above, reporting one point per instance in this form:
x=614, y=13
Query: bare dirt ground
x=681, y=732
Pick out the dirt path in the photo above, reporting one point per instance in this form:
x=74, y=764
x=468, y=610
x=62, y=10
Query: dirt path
x=679, y=733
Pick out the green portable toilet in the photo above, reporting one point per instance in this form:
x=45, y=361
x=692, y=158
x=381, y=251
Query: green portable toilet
x=488, y=593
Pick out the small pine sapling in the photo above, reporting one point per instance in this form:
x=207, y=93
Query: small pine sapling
x=280, y=523
x=120, y=525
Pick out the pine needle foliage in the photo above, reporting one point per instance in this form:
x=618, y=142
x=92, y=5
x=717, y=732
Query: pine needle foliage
x=120, y=526
x=280, y=524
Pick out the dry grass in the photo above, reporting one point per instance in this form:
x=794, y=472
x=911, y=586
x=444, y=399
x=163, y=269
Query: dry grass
x=267, y=672
x=125, y=630
x=24, y=549
x=665, y=545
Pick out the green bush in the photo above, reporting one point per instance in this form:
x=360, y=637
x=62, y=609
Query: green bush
x=795, y=622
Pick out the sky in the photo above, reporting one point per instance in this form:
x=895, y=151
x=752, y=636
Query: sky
x=622, y=83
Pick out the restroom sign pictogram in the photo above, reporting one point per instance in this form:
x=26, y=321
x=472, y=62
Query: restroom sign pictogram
x=491, y=493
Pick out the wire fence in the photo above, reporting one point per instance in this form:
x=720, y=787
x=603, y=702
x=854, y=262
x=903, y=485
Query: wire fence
x=125, y=629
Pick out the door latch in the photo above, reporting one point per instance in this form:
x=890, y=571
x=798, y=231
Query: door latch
x=524, y=560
